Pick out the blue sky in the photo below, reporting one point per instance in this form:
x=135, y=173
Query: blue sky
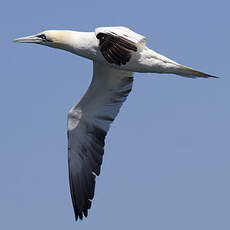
x=166, y=163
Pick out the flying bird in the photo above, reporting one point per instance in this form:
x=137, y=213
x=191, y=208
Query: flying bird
x=116, y=52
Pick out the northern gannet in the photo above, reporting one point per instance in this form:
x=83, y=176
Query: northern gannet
x=116, y=52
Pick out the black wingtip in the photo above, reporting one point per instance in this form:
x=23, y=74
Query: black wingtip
x=211, y=76
x=215, y=77
x=80, y=215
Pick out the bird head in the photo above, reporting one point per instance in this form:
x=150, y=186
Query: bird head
x=53, y=38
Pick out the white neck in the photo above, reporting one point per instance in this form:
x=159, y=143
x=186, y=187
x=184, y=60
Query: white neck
x=81, y=43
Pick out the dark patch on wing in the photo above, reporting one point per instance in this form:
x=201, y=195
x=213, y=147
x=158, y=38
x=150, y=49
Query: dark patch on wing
x=83, y=186
x=116, y=49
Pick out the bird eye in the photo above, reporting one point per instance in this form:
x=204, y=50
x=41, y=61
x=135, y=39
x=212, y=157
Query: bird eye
x=42, y=36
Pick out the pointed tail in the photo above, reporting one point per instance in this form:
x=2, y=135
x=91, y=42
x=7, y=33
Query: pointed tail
x=163, y=64
x=189, y=72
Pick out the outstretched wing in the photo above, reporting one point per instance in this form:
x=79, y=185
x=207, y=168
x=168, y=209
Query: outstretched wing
x=117, y=43
x=88, y=123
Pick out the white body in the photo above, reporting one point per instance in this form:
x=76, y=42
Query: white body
x=86, y=44
x=144, y=60
x=116, y=54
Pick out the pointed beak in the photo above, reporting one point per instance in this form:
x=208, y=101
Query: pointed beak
x=29, y=39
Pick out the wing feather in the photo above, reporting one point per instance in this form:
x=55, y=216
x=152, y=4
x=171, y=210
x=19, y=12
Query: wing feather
x=122, y=32
x=115, y=48
x=88, y=123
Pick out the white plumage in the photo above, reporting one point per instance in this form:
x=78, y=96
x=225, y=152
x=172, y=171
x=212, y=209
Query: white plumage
x=116, y=53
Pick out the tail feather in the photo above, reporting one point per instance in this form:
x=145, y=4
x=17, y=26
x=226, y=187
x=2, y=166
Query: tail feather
x=161, y=64
x=189, y=72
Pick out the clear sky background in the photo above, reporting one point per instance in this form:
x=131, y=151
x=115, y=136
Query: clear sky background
x=166, y=163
